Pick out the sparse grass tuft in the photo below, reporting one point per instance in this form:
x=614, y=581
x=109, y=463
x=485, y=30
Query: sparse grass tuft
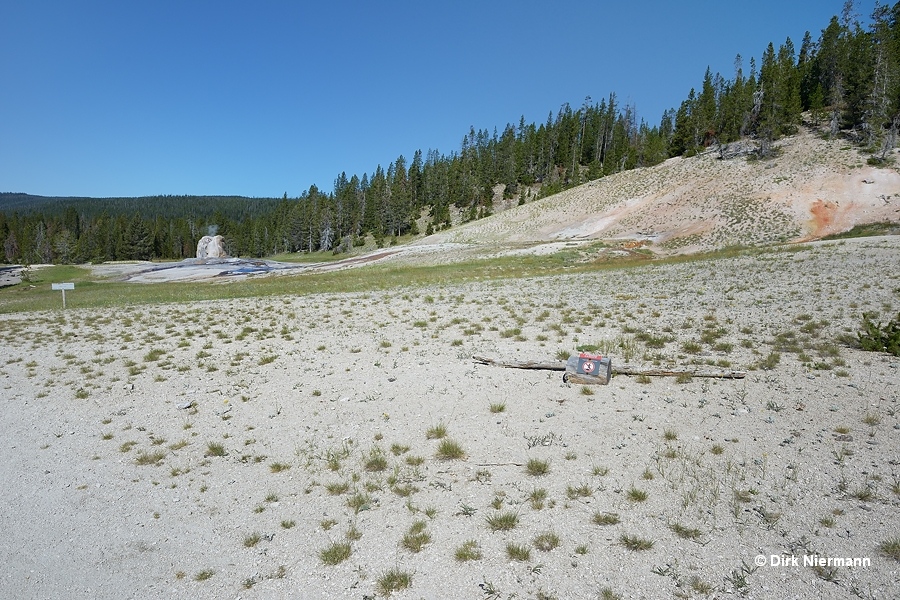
x=546, y=541
x=502, y=521
x=518, y=552
x=251, y=540
x=436, y=432
x=392, y=581
x=417, y=536
x=581, y=491
x=607, y=594
x=872, y=419
x=687, y=533
x=635, y=543
x=336, y=553
x=498, y=407
x=537, y=498
x=470, y=550
x=376, y=461
x=890, y=548
x=204, y=575
x=277, y=467
x=636, y=495
x=359, y=501
x=215, y=449
x=536, y=467
x=149, y=458
x=450, y=450
x=605, y=518
x=337, y=488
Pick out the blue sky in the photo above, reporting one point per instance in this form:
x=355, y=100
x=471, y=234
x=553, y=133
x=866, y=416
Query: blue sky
x=112, y=98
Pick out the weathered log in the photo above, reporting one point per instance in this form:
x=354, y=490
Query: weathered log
x=675, y=372
x=624, y=369
x=529, y=364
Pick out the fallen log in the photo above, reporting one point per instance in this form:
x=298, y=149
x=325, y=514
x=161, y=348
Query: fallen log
x=660, y=372
x=528, y=364
x=624, y=369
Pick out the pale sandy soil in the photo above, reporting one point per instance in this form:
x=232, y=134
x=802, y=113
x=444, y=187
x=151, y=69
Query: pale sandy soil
x=795, y=460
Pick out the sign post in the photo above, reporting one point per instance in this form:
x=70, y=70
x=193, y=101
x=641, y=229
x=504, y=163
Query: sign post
x=63, y=287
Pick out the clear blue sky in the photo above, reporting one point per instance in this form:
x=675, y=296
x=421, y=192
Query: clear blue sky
x=130, y=98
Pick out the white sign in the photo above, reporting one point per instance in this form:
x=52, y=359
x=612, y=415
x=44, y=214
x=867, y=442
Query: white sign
x=63, y=287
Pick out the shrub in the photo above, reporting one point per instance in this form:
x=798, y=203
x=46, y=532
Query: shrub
x=876, y=337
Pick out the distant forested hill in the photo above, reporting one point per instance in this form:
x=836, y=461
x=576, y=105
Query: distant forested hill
x=847, y=81
x=169, y=207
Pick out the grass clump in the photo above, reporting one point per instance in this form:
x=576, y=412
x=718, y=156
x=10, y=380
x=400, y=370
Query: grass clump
x=215, y=449
x=436, y=432
x=376, y=461
x=605, y=518
x=537, y=467
x=890, y=548
x=518, y=552
x=502, y=521
x=537, y=498
x=635, y=543
x=149, y=458
x=392, y=581
x=546, y=541
x=251, y=540
x=872, y=419
x=450, y=450
x=337, y=488
x=277, y=467
x=398, y=449
x=470, y=550
x=607, y=593
x=498, y=407
x=687, y=533
x=416, y=538
x=336, y=553
x=581, y=491
x=636, y=495
x=359, y=502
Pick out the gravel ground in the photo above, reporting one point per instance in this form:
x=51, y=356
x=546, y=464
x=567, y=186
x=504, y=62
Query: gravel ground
x=218, y=449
